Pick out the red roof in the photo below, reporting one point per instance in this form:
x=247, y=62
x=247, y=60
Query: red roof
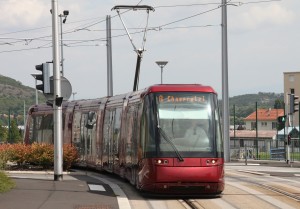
x=265, y=115
x=252, y=133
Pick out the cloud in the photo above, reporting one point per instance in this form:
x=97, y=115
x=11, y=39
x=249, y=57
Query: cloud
x=20, y=12
x=258, y=16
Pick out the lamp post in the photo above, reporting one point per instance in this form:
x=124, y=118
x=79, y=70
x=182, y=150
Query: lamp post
x=65, y=14
x=74, y=95
x=161, y=64
x=36, y=91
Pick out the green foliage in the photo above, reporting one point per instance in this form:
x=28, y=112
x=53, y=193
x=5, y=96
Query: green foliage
x=6, y=183
x=36, y=154
x=13, y=95
x=15, y=135
x=3, y=133
x=4, y=155
x=246, y=104
x=279, y=104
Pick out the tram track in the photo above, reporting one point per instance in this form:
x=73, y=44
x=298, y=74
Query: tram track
x=292, y=195
x=277, y=190
x=191, y=203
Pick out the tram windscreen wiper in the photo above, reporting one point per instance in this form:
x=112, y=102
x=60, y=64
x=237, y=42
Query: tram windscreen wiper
x=167, y=138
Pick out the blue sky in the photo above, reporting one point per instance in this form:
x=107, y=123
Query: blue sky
x=263, y=42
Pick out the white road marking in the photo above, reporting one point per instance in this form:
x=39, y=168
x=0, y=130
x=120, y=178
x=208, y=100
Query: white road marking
x=122, y=199
x=95, y=187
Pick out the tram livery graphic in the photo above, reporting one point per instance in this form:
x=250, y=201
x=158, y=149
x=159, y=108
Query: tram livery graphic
x=164, y=139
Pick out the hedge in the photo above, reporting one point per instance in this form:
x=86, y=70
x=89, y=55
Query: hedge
x=35, y=154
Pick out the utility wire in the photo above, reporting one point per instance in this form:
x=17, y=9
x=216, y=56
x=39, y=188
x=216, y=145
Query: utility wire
x=158, y=28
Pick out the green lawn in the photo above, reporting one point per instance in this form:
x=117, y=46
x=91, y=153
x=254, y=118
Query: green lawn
x=6, y=183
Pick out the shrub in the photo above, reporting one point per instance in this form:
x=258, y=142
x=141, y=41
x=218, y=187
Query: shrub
x=70, y=156
x=5, y=150
x=18, y=153
x=42, y=154
x=35, y=154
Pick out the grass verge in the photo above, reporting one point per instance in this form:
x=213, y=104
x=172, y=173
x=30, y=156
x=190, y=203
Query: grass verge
x=6, y=183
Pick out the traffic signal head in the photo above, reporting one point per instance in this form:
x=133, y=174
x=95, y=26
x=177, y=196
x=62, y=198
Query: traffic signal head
x=44, y=77
x=293, y=103
x=281, y=122
x=281, y=119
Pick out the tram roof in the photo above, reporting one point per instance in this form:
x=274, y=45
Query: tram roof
x=181, y=88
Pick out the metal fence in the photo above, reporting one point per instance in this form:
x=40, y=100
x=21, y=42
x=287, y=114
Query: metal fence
x=264, y=149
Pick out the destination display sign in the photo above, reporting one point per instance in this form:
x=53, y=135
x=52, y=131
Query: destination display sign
x=163, y=98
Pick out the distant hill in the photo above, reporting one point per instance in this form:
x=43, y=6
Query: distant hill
x=12, y=97
x=246, y=104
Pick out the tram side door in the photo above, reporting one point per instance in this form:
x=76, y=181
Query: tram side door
x=131, y=139
x=111, y=142
x=108, y=139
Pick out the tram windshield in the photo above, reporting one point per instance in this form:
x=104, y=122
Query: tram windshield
x=186, y=124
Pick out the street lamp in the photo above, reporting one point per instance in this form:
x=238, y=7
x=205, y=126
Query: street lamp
x=74, y=95
x=65, y=14
x=161, y=64
x=36, y=91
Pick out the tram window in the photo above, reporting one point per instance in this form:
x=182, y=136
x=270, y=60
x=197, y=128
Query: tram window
x=117, y=126
x=91, y=120
x=76, y=129
x=42, y=129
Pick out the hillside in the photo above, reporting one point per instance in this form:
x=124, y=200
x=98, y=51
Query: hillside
x=246, y=104
x=12, y=97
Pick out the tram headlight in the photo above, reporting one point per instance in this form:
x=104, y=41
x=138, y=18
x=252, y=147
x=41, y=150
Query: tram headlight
x=211, y=161
x=161, y=161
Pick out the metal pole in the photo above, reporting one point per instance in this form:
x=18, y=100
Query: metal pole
x=161, y=74
x=137, y=70
x=225, y=83
x=109, y=57
x=62, y=46
x=256, y=130
x=9, y=129
x=234, y=126
x=57, y=114
x=24, y=120
x=36, y=91
x=36, y=94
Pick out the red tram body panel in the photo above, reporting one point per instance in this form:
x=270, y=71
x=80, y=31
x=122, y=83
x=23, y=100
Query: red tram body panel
x=164, y=139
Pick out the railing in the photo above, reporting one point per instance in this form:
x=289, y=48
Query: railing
x=263, y=149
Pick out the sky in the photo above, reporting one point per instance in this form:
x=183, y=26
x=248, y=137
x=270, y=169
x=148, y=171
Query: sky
x=263, y=43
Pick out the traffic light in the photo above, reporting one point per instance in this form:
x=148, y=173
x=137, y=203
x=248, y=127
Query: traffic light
x=281, y=122
x=44, y=77
x=293, y=103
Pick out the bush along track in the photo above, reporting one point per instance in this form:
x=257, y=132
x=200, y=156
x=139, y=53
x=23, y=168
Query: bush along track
x=34, y=156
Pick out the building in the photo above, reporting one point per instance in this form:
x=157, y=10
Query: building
x=266, y=119
x=291, y=86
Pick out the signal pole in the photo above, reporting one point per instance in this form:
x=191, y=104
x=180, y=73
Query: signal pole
x=57, y=99
x=109, y=57
x=225, y=84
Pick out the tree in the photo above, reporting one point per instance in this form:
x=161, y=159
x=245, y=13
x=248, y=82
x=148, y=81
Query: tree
x=279, y=104
x=14, y=133
x=3, y=133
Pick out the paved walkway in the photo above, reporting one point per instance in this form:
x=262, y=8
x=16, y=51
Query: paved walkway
x=38, y=190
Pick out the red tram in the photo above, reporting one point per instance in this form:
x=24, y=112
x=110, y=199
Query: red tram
x=164, y=139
